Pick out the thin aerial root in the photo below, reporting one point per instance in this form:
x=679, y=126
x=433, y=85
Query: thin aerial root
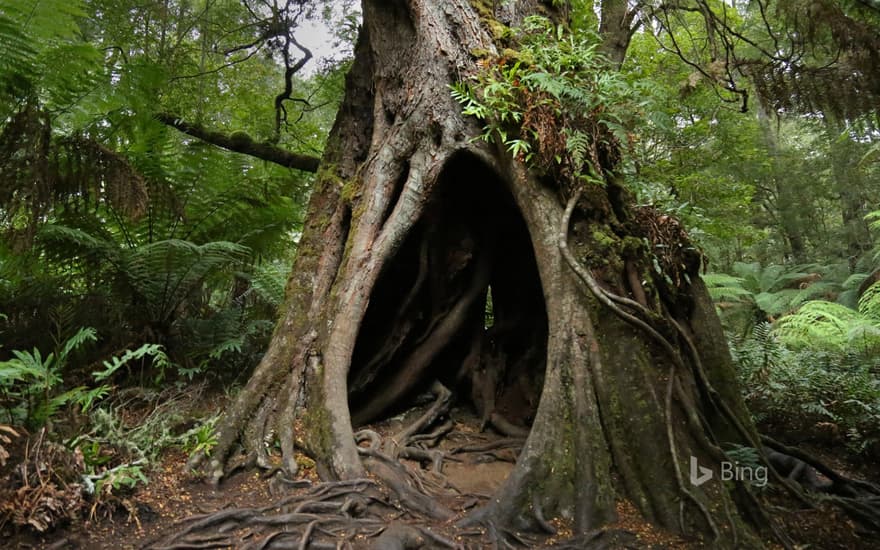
x=670, y=434
x=433, y=438
x=598, y=292
x=440, y=407
x=511, y=442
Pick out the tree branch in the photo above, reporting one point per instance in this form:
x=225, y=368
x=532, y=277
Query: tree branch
x=240, y=142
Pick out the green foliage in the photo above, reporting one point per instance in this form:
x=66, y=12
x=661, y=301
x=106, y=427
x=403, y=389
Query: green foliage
x=160, y=361
x=106, y=483
x=201, y=438
x=553, y=103
x=108, y=435
x=134, y=228
x=809, y=390
x=756, y=293
x=828, y=326
x=35, y=39
x=30, y=382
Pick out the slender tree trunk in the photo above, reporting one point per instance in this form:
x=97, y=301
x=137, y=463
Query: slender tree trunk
x=849, y=184
x=788, y=208
x=410, y=223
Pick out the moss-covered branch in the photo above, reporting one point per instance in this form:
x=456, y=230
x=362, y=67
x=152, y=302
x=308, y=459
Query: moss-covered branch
x=239, y=142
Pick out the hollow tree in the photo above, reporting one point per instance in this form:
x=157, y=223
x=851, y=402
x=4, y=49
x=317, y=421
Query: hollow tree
x=413, y=225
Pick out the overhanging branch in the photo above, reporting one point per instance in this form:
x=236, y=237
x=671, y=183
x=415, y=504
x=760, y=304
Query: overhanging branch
x=240, y=142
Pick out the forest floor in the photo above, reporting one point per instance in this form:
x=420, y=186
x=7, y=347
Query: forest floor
x=480, y=461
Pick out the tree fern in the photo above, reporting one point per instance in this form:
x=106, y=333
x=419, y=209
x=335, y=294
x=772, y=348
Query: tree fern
x=164, y=273
x=35, y=39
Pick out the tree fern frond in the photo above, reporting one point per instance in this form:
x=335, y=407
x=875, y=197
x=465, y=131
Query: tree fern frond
x=777, y=303
x=72, y=236
x=819, y=324
x=268, y=282
x=725, y=287
x=869, y=302
x=165, y=272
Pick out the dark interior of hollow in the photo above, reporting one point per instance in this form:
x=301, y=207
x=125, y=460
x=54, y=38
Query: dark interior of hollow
x=461, y=303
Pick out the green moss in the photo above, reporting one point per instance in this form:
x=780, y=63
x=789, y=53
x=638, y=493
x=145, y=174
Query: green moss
x=486, y=10
x=632, y=246
x=351, y=191
x=240, y=139
x=316, y=425
x=603, y=239
x=480, y=53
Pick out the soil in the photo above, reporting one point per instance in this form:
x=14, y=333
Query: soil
x=154, y=511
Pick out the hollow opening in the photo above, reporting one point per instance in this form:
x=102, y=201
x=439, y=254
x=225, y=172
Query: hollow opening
x=461, y=303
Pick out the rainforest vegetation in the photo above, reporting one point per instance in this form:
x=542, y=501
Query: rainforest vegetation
x=410, y=273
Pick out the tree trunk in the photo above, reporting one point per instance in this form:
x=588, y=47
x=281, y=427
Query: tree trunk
x=849, y=183
x=410, y=224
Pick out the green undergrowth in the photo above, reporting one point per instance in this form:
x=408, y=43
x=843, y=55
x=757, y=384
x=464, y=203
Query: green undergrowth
x=67, y=452
x=811, y=393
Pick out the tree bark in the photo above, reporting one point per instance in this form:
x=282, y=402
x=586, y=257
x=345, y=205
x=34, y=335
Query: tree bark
x=622, y=409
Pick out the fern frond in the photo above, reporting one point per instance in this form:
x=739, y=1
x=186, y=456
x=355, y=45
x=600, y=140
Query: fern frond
x=166, y=272
x=869, y=302
x=725, y=287
x=821, y=325
x=83, y=335
x=160, y=359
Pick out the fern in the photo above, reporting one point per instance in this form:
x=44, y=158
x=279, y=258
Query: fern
x=869, y=302
x=166, y=272
x=725, y=287
x=31, y=380
x=827, y=325
x=35, y=39
x=160, y=360
x=798, y=388
x=552, y=105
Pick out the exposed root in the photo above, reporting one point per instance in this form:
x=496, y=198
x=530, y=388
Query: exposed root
x=410, y=486
x=601, y=539
x=505, y=427
x=326, y=505
x=394, y=509
x=859, y=499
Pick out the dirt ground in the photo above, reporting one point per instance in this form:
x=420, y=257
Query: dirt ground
x=472, y=475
